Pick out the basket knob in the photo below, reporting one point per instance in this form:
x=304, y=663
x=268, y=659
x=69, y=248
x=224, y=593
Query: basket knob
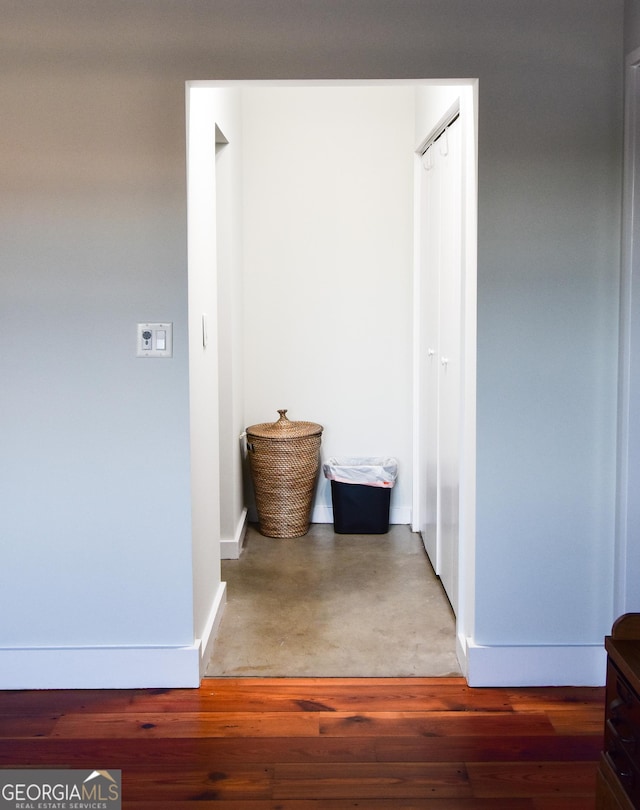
x=283, y=415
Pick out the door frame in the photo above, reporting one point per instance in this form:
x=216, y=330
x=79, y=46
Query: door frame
x=467, y=104
x=627, y=553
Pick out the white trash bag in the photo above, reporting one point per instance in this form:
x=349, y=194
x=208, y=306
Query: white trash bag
x=372, y=472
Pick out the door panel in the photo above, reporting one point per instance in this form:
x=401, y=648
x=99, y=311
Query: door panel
x=440, y=349
x=450, y=366
x=429, y=351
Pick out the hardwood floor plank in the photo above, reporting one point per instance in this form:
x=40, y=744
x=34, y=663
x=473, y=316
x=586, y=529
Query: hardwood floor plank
x=433, y=724
x=354, y=804
x=335, y=694
x=489, y=748
x=183, y=752
x=27, y=703
x=401, y=780
x=541, y=698
x=564, y=803
x=124, y=753
x=189, y=724
x=534, y=779
x=213, y=784
x=13, y=727
x=347, y=683
x=589, y=720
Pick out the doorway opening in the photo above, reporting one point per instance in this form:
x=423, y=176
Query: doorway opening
x=324, y=253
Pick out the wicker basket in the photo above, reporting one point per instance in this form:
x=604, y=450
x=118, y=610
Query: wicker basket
x=284, y=458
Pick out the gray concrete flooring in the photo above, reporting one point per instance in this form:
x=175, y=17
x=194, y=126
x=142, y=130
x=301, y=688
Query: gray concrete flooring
x=331, y=605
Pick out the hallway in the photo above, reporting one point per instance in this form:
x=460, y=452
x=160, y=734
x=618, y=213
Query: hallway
x=331, y=605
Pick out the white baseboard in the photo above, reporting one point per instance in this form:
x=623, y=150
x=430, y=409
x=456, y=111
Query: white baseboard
x=553, y=665
x=113, y=667
x=322, y=514
x=207, y=641
x=100, y=667
x=400, y=515
x=230, y=549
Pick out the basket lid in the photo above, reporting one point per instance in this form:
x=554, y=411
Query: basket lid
x=284, y=428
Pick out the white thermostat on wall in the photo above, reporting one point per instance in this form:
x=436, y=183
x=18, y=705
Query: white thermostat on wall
x=154, y=340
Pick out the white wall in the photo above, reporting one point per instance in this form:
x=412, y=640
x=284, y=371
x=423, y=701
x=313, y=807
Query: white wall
x=230, y=317
x=231, y=323
x=328, y=207
x=213, y=120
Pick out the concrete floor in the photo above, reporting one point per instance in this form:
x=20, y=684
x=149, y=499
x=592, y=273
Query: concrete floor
x=331, y=605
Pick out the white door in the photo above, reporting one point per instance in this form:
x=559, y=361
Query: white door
x=449, y=427
x=430, y=352
x=441, y=197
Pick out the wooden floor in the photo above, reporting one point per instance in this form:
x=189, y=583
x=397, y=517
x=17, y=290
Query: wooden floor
x=320, y=744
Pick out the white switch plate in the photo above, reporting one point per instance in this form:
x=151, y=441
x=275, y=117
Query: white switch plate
x=150, y=337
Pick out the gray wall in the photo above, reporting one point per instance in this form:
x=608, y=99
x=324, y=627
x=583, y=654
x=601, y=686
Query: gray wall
x=92, y=196
x=631, y=25
x=95, y=518
x=549, y=185
x=628, y=559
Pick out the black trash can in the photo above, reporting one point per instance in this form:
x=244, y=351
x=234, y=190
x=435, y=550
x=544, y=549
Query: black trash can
x=361, y=493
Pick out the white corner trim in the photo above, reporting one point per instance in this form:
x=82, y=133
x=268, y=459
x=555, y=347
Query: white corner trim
x=206, y=643
x=624, y=580
x=545, y=665
x=461, y=654
x=100, y=667
x=231, y=549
